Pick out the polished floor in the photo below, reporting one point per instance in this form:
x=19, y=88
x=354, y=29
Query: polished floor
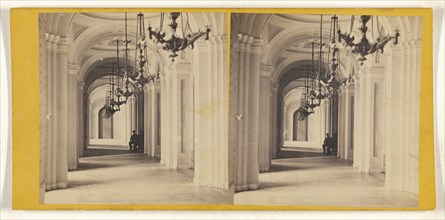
x=321, y=181
x=122, y=177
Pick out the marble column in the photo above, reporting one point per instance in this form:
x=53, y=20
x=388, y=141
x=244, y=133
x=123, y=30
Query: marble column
x=265, y=118
x=234, y=110
x=240, y=169
x=43, y=86
x=156, y=115
x=415, y=116
x=129, y=117
x=62, y=110
x=394, y=118
x=49, y=181
x=254, y=112
x=222, y=114
x=165, y=111
x=72, y=117
x=249, y=69
x=147, y=118
x=81, y=118
x=210, y=112
x=246, y=179
x=358, y=112
x=52, y=161
x=184, y=113
x=274, y=135
x=170, y=121
x=365, y=118
x=341, y=122
x=348, y=115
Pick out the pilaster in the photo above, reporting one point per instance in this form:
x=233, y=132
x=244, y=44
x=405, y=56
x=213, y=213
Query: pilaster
x=72, y=116
x=265, y=118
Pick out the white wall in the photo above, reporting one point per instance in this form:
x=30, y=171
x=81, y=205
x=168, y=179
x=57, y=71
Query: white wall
x=292, y=102
x=121, y=131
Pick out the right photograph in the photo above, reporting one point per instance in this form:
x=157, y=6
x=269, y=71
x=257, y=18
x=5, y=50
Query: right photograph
x=324, y=109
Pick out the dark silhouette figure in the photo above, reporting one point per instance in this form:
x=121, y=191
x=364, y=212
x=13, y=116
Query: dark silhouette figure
x=133, y=144
x=334, y=144
x=328, y=144
x=141, y=141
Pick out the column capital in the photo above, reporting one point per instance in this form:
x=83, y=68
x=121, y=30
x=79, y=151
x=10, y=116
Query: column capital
x=247, y=42
x=183, y=67
x=147, y=87
x=396, y=49
x=256, y=46
x=266, y=70
x=275, y=87
x=64, y=41
x=62, y=45
x=242, y=38
x=49, y=38
x=81, y=85
x=242, y=42
x=349, y=88
x=203, y=45
x=54, y=42
x=73, y=66
x=212, y=40
x=169, y=69
x=406, y=44
x=355, y=78
x=222, y=39
x=157, y=84
x=417, y=43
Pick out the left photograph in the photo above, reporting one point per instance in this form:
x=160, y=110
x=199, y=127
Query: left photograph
x=133, y=108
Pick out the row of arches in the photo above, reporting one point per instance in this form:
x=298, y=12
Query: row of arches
x=360, y=115
x=177, y=114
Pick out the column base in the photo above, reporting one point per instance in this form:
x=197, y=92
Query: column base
x=72, y=167
x=184, y=167
x=55, y=186
x=51, y=186
x=364, y=171
x=264, y=169
x=246, y=187
x=62, y=185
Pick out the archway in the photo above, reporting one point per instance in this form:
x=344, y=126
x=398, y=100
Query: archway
x=178, y=117
x=273, y=51
x=300, y=129
x=105, y=125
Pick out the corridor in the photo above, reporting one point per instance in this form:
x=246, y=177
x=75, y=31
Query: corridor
x=322, y=181
x=130, y=178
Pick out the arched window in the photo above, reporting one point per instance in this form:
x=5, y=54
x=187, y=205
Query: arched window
x=299, y=128
x=105, y=125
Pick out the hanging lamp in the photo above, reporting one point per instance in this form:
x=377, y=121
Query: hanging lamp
x=175, y=43
x=364, y=47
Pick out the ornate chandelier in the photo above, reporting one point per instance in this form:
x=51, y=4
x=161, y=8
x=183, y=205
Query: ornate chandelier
x=175, y=42
x=142, y=74
x=307, y=103
x=126, y=92
x=110, y=99
x=364, y=47
x=120, y=99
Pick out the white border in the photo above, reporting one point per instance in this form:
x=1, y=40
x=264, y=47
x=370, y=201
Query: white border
x=5, y=121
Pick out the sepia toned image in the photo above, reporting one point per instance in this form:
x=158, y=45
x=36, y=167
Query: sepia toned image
x=133, y=108
x=324, y=109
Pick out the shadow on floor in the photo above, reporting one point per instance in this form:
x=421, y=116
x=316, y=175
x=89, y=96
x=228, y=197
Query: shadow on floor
x=305, y=161
x=298, y=154
x=93, y=152
x=89, y=166
x=80, y=183
x=268, y=185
